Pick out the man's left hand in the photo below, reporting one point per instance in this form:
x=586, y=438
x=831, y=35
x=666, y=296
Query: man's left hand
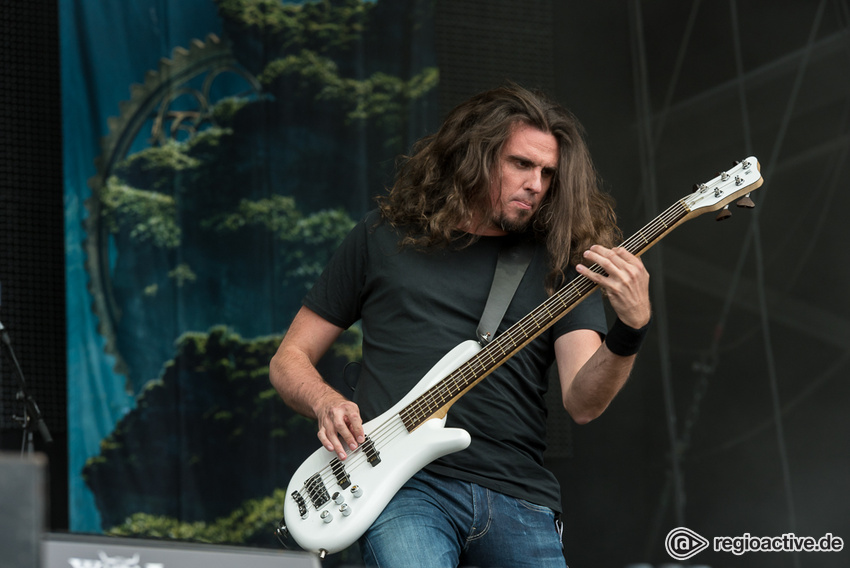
x=625, y=282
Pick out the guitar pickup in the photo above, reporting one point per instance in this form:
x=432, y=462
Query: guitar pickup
x=372, y=455
x=317, y=491
x=340, y=473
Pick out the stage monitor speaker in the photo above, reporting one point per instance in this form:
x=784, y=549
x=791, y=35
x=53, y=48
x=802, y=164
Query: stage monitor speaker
x=23, y=487
x=84, y=550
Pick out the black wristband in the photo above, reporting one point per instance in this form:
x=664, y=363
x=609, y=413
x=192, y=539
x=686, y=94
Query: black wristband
x=624, y=340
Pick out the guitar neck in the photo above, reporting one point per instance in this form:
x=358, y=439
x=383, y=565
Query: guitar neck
x=435, y=402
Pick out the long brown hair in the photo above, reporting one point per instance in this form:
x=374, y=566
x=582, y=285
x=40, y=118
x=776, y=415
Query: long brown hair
x=446, y=180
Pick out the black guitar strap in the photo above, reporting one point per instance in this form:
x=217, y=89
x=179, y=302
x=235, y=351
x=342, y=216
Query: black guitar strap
x=510, y=267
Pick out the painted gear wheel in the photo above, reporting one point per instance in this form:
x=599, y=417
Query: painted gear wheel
x=151, y=112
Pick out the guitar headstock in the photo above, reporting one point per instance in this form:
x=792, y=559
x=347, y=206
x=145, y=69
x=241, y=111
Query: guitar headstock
x=717, y=193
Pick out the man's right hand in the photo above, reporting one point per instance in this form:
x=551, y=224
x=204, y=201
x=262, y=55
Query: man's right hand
x=293, y=373
x=340, y=426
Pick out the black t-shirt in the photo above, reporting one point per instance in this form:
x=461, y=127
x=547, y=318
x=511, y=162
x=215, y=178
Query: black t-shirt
x=414, y=307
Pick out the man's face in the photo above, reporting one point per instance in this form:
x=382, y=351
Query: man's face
x=524, y=172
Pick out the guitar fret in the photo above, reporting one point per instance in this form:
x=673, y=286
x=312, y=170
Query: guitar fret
x=497, y=346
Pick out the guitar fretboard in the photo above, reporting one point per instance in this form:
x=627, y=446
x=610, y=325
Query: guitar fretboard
x=520, y=334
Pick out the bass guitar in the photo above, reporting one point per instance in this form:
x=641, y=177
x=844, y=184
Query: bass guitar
x=331, y=503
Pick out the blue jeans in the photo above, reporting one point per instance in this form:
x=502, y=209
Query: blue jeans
x=439, y=522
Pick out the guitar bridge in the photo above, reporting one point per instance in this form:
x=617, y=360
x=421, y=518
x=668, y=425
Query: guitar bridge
x=302, y=506
x=340, y=473
x=372, y=455
x=317, y=491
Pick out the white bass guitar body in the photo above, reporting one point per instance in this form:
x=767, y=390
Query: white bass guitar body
x=330, y=503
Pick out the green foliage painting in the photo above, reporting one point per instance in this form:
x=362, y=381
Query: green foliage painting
x=222, y=190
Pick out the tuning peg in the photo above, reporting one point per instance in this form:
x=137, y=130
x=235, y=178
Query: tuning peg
x=745, y=202
x=724, y=214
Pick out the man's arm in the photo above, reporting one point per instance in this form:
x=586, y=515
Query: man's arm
x=591, y=374
x=293, y=374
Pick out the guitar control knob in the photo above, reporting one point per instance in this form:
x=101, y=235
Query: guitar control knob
x=326, y=516
x=356, y=491
x=338, y=498
x=345, y=510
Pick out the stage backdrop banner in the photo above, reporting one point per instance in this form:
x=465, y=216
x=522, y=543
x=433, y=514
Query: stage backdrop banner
x=215, y=153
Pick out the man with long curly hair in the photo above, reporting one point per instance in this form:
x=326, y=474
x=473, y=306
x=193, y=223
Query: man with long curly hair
x=507, y=165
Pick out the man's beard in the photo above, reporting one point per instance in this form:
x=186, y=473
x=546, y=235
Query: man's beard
x=518, y=224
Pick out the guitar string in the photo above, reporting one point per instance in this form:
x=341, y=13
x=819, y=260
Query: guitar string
x=350, y=468
x=356, y=457
x=530, y=323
